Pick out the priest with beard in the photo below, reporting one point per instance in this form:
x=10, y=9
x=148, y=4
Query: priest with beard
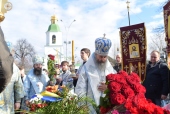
x=92, y=78
x=36, y=81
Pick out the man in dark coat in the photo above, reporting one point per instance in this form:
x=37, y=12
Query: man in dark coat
x=156, y=81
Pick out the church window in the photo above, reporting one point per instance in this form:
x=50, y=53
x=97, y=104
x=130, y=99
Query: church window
x=53, y=39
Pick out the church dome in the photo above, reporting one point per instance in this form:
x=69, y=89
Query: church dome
x=53, y=28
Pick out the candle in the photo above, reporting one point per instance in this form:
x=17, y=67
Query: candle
x=72, y=50
x=168, y=27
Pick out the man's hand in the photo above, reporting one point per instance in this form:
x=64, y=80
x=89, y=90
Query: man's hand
x=17, y=106
x=163, y=97
x=102, y=87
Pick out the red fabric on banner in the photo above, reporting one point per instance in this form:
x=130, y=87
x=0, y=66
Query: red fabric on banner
x=133, y=48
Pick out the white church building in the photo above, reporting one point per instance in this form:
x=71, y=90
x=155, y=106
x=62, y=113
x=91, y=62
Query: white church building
x=54, y=42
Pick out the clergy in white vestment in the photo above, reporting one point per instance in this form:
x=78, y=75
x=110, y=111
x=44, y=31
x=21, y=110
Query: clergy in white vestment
x=91, y=81
x=10, y=98
x=35, y=81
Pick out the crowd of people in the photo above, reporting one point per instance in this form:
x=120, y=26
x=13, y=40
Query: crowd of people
x=89, y=80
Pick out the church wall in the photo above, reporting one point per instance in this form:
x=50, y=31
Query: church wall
x=58, y=38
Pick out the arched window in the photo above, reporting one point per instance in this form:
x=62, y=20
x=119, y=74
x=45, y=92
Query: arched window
x=53, y=39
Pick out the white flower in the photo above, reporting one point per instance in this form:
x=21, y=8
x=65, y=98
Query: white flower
x=36, y=99
x=39, y=96
x=31, y=101
x=71, y=96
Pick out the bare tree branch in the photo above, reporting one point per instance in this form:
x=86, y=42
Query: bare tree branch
x=157, y=42
x=160, y=9
x=161, y=29
x=23, y=51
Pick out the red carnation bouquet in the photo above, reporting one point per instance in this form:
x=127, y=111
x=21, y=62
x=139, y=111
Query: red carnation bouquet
x=51, y=68
x=51, y=57
x=125, y=95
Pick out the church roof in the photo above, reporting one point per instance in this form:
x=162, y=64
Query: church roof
x=53, y=28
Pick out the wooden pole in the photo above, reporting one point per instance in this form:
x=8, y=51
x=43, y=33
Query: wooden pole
x=72, y=50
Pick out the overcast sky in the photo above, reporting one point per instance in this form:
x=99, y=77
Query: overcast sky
x=30, y=19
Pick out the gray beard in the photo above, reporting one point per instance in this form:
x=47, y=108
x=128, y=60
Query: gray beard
x=99, y=65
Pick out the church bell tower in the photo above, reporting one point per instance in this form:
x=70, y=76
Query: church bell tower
x=54, y=42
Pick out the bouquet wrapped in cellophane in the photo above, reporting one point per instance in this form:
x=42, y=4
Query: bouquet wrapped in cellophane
x=51, y=68
x=125, y=95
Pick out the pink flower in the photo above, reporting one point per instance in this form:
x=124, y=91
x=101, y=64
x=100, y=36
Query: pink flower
x=127, y=112
x=115, y=112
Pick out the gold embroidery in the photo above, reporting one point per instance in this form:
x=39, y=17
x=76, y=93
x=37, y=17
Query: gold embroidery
x=2, y=102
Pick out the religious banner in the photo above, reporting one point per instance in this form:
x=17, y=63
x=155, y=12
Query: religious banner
x=167, y=30
x=133, y=48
